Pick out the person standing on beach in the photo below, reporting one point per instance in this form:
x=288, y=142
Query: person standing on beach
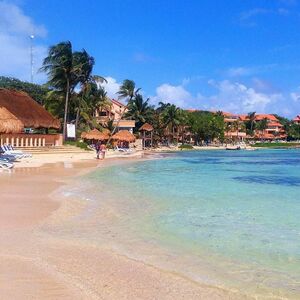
x=103, y=150
x=98, y=149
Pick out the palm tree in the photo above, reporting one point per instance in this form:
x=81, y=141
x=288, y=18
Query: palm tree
x=89, y=83
x=60, y=70
x=171, y=117
x=236, y=126
x=102, y=102
x=139, y=110
x=65, y=69
x=262, y=126
x=128, y=90
x=251, y=117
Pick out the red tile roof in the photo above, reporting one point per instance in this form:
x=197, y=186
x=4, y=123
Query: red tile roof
x=117, y=102
x=297, y=119
x=275, y=124
x=260, y=117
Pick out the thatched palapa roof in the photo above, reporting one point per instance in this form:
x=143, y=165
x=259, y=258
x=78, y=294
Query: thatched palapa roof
x=95, y=135
x=9, y=123
x=146, y=127
x=28, y=111
x=125, y=136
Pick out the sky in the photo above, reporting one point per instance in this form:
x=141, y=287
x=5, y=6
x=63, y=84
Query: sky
x=237, y=56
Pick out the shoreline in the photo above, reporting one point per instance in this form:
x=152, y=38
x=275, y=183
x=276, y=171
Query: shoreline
x=47, y=270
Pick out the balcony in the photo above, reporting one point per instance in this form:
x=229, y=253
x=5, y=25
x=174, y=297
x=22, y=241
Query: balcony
x=124, y=123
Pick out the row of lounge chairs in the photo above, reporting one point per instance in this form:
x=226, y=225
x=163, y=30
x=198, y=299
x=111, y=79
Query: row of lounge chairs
x=120, y=149
x=8, y=155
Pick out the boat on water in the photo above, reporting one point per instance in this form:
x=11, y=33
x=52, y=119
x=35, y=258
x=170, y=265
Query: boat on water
x=238, y=146
x=235, y=147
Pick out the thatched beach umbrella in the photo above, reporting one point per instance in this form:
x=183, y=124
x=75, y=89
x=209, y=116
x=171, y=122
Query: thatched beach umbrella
x=95, y=135
x=124, y=136
x=147, y=136
x=9, y=123
x=146, y=127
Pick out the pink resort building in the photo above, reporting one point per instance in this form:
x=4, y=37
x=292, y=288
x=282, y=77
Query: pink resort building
x=297, y=119
x=115, y=113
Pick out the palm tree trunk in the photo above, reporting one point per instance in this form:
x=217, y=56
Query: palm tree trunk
x=77, y=118
x=66, y=111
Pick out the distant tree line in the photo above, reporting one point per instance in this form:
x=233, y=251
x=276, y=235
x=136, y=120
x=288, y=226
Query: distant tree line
x=74, y=93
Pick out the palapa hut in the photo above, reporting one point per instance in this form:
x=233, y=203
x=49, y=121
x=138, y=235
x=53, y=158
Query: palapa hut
x=147, y=135
x=9, y=123
x=123, y=138
x=95, y=135
x=25, y=113
x=28, y=111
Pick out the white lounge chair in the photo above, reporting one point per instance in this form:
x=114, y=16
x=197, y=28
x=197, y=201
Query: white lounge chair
x=8, y=149
x=123, y=149
x=6, y=165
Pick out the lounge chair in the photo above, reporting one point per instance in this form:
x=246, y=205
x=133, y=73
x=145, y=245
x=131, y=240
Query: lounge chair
x=123, y=149
x=7, y=158
x=8, y=149
x=6, y=165
x=120, y=149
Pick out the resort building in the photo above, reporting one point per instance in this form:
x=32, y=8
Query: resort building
x=297, y=119
x=115, y=113
x=274, y=129
x=234, y=127
x=25, y=123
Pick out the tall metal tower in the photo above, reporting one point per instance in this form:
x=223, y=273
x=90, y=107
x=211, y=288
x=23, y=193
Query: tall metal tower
x=31, y=57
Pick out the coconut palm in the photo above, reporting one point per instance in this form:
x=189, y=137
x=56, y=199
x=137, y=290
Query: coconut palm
x=262, y=126
x=139, y=110
x=65, y=70
x=128, y=90
x=236, y=126
x=251, y=117
x=60, y=70
x=89, y=84
x=171, y=118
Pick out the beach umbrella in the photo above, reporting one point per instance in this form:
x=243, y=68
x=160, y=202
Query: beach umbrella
x=9, y=122
x=95, y=135
x=124, y=136
x=146, y=127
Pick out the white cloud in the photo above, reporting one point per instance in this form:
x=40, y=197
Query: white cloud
x=237, y=97
x=15, y=29
x=247, y=18
x=111, y=87
x=177, y=95
x=239, y=71
x=295, y=96
x=254, y=12
x=226, y=95
x=13, y=20
x=248, y=71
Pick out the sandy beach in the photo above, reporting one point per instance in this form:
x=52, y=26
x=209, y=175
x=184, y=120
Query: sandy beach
x=35, y=265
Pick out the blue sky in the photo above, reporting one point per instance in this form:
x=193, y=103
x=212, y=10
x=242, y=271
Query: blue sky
x=237, y=56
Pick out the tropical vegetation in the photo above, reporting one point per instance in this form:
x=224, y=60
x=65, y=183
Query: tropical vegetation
x=73, y=93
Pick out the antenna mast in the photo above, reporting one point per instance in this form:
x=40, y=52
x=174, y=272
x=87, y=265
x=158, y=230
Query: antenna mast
x=31, y=57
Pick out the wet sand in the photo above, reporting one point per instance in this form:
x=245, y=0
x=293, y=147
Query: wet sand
x=34, y=265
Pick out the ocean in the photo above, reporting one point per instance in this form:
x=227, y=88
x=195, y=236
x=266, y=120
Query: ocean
x=226, y=218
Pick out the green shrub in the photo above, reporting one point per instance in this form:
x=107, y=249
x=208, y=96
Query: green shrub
x=275, y=145
x=186, y=147
x=78, y=144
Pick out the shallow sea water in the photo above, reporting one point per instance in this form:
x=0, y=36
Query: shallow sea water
x=230, y=218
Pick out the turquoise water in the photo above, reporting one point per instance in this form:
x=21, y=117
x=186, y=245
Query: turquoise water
x=229, y=217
